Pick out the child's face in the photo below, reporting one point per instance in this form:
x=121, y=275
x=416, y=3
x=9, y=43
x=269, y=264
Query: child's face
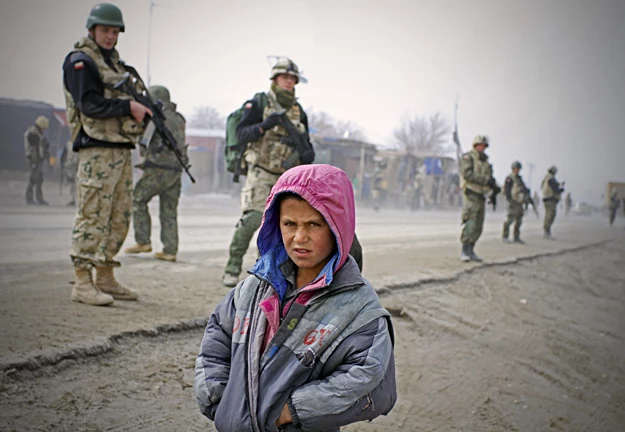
x=306, y=236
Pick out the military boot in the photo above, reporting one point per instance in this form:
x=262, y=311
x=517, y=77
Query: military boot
x=506, y=240
x=230, y=280
x=105, y=282
x=85, y=291
x=464, y=256
x=165, y=256
x=547, y=235
x=518, y=240
x=138, y=248
x=472, y=254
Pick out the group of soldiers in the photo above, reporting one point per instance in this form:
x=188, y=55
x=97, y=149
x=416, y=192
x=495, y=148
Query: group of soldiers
x=478, y=185
x=107, y=121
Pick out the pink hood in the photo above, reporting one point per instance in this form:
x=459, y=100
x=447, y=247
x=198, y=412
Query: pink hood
x=329, y=191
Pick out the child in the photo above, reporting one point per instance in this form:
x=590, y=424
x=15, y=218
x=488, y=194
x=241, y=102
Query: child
x=302, y=344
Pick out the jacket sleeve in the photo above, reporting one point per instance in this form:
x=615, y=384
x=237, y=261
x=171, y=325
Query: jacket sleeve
x=555, y=186
x=82, y=80
x=212, y=366
x=361, y=387
x=507, y=188
x=248, y=129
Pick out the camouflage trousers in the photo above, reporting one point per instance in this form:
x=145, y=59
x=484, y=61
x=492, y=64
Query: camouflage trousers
x=254, y=194
x=550, y=214
x=104, y=206
x=35, y=181
x=473, y=210
x=515, y=215
x=166, y=184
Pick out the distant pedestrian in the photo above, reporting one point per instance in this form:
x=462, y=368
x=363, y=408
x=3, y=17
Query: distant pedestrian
x=552, y=190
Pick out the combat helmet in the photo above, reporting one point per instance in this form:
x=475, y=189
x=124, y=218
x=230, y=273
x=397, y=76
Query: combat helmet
x=552, y=170
x=106, y=14
x=158, y=92
x=42, y=122
x=286, y=66
x=480, y=139
x=517, y=165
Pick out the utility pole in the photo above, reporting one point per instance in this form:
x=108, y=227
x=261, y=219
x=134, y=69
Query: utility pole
x=152, y=4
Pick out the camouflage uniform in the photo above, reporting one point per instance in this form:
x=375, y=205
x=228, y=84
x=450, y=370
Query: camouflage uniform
x=551, y=197
x=104, y=174
x=516, y=193
x=104, y=206
x=264, y=157
x=103, y=132
x=36, y=149
x=161, y=176
x=476, y=181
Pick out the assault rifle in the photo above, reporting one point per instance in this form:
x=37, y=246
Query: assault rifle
x=300, y=142
x=529, y=200
x=492, y=198
x=130, y=81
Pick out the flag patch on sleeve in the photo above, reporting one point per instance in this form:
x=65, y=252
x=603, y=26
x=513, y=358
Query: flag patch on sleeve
x=79, y=65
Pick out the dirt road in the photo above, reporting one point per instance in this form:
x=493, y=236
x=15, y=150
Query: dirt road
x=518, y=343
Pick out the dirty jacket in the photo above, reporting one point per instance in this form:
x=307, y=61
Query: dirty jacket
x=325, y=349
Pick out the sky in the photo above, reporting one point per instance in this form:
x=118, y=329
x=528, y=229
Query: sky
x=545, y=79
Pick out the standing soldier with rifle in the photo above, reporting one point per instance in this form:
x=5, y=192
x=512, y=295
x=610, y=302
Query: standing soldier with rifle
x=161, y=176
x=268, y=148
x=517, y=195
x=36, y=148
x=105, y=125
x=552, y=190
x=476, y=181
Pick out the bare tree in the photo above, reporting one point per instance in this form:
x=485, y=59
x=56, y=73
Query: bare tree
x=420, y=134
x=324, y=125
x=207, y=117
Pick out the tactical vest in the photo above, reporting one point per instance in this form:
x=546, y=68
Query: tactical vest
x=112, y=129
x=156, y=154
x=518, y=189
x=482, y=168
x=268, y=152
x=35, y=154
x=548, y=193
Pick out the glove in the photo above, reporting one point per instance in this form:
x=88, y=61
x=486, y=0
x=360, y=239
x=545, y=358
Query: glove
x=491, y=182
x=270, y=122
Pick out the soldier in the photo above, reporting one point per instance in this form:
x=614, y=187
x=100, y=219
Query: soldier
x=552, y=190
x=476, y=181
x=36, y=148
x=568, y=203
x=162, y=174
x=378, y=184
x=69, y=160
x=615, y=202
x=267, y=151
x=105, y=125
x=517, y=194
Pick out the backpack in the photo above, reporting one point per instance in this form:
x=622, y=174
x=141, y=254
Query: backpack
x=233, y=150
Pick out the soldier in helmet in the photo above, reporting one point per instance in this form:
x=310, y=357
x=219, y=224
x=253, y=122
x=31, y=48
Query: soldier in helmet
x=269, y=147
x=161, y=176
x=36, y=148
x=105, y=124
x=552, y=190
x=517, y=194
x=615, y=202
x=476, y=181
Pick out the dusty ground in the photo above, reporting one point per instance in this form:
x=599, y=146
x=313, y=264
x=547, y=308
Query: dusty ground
x=526, y=344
